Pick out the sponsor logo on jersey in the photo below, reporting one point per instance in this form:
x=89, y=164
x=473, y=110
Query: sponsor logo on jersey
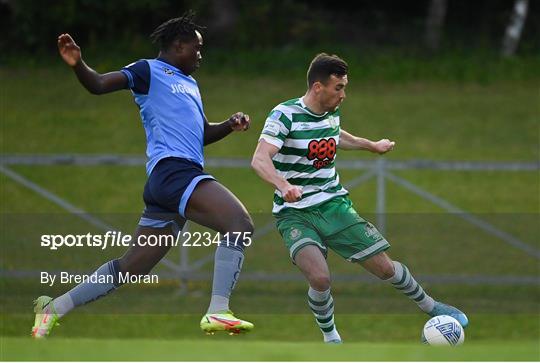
x=322, y=152
x=180, y=88
x=168, y=71
x=371, y=231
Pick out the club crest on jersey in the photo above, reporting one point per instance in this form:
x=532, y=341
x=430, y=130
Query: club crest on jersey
x=295, y=233
x=322, y=152
x=332, y=121
x=168, y=71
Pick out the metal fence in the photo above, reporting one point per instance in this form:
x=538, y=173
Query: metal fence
x=380, y=169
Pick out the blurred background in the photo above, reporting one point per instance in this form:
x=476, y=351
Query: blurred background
x=435, y=25
x=454, y=82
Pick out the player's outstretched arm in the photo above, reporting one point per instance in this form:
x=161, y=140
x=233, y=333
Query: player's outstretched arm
x=94, y=82
x=350, y=142
x=263, y=166
x=216, y=131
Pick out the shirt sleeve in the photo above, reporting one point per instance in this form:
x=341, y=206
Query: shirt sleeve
x=138, y=75
x=276, y=128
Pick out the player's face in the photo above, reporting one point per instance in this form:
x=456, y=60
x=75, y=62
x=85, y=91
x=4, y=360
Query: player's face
x=190, y=54
x=333, y=92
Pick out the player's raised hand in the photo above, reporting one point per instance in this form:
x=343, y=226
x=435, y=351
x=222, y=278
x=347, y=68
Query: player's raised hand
x=383, y=146
x=69, y=50
x=291, y=193
x=239, y=121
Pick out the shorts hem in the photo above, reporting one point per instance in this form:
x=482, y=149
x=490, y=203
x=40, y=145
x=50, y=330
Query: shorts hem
x=313, y=243
x=371, y=254
x=155, y=223
x=189, y=190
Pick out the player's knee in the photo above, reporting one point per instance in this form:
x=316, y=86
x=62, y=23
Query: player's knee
x=126, y=265
x=386, y=271
x=245, y=224
x=320, y=281
x=242, y=230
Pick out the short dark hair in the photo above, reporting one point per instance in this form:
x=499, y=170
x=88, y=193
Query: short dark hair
x=323, y=66
x=182, y=28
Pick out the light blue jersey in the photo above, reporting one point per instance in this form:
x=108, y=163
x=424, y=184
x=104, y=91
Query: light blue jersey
x=171, y=110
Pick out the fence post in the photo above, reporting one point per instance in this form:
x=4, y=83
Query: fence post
x=381, y=195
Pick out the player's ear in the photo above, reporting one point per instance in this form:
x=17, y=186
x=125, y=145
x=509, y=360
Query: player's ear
x=177, y=46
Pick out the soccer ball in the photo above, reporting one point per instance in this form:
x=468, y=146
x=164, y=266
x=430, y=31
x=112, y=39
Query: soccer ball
x=443, y=330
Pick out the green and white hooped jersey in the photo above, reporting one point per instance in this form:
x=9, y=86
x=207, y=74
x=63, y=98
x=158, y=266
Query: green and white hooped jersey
x=307, y=145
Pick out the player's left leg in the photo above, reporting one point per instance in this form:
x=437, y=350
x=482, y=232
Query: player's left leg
x=399, y=276
x=214, y=206
x=361, y=242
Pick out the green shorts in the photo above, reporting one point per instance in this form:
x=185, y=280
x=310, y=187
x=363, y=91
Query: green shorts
x=333, y=224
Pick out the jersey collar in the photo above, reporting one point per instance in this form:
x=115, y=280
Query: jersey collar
x=303, y=104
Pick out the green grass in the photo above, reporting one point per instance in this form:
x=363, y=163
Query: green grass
x=428, y=119
x=421, y=233
x=477, y=192
x=274, y=325
x=237, y=350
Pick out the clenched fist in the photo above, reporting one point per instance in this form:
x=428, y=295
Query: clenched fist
x=239, y=121
x=383, y=146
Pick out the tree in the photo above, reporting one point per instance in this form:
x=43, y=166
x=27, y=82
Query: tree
x=434, y=23
x=225, y=16
x=514, y=28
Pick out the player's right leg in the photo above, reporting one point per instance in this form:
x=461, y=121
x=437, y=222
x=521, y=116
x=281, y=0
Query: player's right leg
x=312, y=263
x=307, y=251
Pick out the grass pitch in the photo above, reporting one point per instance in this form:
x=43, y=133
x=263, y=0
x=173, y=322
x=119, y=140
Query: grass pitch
x=236, y=350
x=429, y=120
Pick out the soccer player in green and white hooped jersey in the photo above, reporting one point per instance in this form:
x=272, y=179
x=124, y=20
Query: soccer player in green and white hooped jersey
x=296, y=154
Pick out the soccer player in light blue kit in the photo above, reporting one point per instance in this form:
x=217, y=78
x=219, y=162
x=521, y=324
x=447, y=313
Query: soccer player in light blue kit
x=177, y=188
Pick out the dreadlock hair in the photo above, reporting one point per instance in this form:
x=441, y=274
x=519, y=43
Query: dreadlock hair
x=181, y=28
x=323, y=66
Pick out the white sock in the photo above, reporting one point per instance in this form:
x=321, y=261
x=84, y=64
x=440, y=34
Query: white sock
x=333, y=335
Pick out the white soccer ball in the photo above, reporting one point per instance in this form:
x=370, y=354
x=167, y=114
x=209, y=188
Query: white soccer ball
x=443, y=330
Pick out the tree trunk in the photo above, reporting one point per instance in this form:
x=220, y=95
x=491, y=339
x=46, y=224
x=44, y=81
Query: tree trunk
x=514, y=28
x=434, y=23
x=225, y=16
